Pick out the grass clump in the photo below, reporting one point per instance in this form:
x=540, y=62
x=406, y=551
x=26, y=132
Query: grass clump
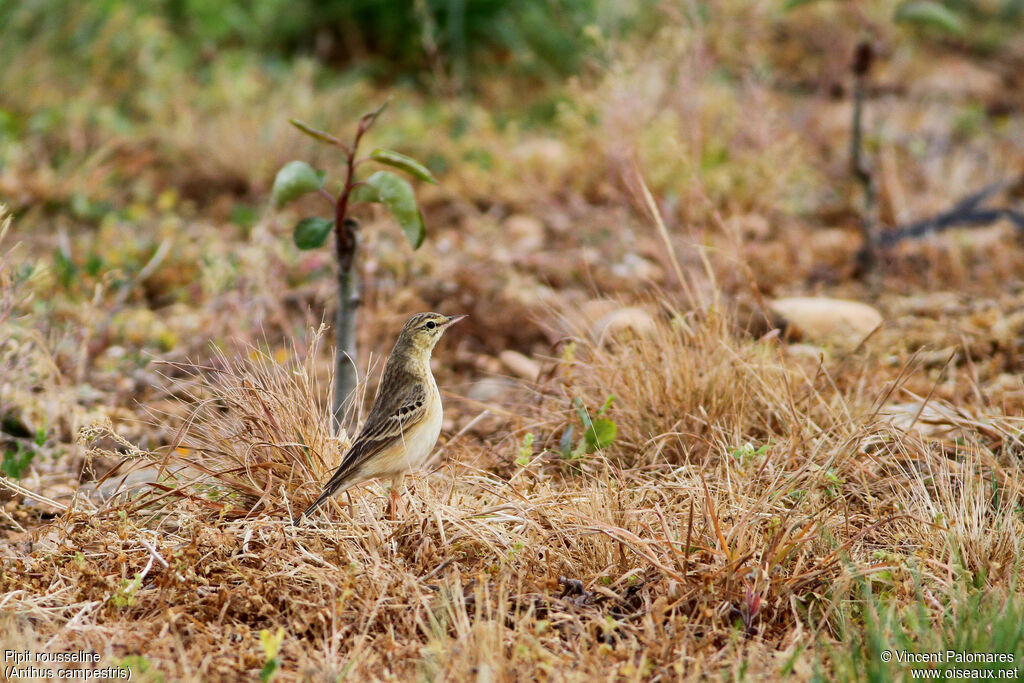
x=252, y=433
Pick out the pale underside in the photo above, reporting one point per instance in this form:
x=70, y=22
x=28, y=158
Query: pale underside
x=411, y=452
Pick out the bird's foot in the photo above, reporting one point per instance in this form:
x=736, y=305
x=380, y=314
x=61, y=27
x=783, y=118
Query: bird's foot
x=396, y=505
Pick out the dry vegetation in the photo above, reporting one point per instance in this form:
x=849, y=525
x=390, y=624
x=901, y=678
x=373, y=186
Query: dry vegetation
x=772, y=505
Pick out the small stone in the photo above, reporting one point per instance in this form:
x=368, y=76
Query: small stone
x=491, y=389
x=933, y=419
x=525, y=233
x=631, y=319
x=806, y=351
x=519, y=365
x=749, y=226
x=822, y=320
x=833, y=246
x=634, y=266
x=595, y=309
x=487, y=364
x=958, y=77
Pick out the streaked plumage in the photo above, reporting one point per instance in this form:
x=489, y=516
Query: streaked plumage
x=405, y=420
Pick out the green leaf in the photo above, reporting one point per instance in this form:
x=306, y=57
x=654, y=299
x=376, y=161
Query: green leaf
x=15, y=463
x=581, y=411
x=295, y=179
x=565, y=443
x=793, y=4
x=271, y=644
x=366, y=121
x=310, y=233
x=525, y=450
x=396, y=194
x=268, y=670
x=400, y=161
x=364, y=193
x=927, y=13
x=316, y=134
x=601, y=433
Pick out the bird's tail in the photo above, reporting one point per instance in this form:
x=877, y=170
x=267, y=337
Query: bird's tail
x=335, y=485
x=316, y=503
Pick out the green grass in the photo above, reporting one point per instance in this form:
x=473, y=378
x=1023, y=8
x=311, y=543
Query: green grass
x=931, y=634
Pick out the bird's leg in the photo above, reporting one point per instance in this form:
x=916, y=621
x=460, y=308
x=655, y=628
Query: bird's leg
x=397, y=506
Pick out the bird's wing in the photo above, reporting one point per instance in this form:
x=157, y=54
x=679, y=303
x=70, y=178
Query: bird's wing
x=397, y=415
x=390, y=419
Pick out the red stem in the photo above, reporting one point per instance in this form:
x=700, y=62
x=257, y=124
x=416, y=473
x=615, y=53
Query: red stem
x=344, y=244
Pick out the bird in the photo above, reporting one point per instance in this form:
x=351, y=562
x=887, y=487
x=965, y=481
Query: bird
x=405, y=420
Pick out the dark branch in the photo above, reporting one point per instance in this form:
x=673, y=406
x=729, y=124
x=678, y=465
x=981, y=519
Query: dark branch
x=965, y=213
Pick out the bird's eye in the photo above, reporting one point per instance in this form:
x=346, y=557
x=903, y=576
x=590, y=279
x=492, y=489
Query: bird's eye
x=431, y=325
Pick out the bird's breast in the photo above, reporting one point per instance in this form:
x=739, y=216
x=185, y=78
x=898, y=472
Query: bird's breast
x=420, y=442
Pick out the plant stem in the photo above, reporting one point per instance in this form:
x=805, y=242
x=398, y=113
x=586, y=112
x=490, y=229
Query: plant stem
x=863, y=56
x=346, y=243
x=345, y=357
x=346, y=248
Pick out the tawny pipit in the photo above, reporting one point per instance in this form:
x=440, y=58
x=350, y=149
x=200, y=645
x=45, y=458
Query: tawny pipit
x=405, y=420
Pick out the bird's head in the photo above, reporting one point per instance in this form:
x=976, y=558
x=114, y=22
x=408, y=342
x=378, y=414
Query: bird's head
x=423, y=330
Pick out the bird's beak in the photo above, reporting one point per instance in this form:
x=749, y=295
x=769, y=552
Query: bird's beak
x=452, y=319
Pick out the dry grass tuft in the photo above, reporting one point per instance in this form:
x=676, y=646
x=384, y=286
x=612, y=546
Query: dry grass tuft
x=690, y=387
x=255, y=433
x=775, y=481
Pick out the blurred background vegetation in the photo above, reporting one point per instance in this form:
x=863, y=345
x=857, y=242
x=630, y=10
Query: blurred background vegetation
x=461, y=42
x=139, y=140
x=153, y=119
x=80, y=74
